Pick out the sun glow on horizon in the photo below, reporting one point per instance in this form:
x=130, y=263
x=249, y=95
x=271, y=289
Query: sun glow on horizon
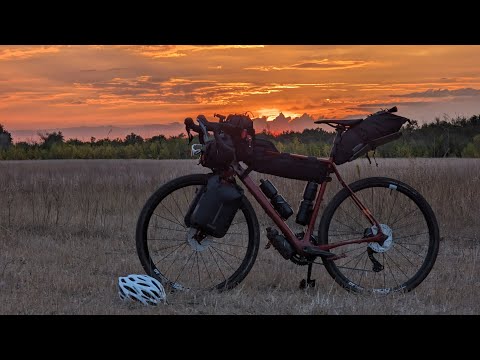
x=271, y=113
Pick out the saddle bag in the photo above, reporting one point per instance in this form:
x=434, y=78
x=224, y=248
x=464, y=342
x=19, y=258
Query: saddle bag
x=372, y=132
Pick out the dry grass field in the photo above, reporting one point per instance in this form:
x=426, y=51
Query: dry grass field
x=67, y=232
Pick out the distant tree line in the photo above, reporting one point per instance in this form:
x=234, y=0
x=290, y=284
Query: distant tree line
x=458, y=137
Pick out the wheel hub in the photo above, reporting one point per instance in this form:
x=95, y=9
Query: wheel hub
x=387, y=244
x=197, y=240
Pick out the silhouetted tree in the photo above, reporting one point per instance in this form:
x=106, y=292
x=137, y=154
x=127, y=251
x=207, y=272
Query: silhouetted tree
x=51, y=139
x=5, y=138
x=133, y=139
x=157, y=138
x=74, y=142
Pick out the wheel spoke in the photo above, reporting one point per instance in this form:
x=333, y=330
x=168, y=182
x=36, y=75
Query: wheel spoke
x=351, y=217
x=384, y=283
x=174, y=260
x=354, y=231
x=404, y=256
x=206, y=268
x=354, y=269
x=228, y=244
x=404, y=217
x=164, y=228
x=181, y=271
x=363, y=272
x=407, y=225
x=216, y=262
x=391, y=272
x=399, y=268
x=170, y=253
x=393, y=206
x=176, y=220
x=198, y=270
x=173, y=222
x=353, y=258
x=166, y=247
x=225, y=261
x=176, y=204
x=354, y=249
x=408, y=236
x=409, y=250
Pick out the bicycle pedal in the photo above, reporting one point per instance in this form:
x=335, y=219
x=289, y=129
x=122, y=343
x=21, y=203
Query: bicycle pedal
x=317, y=252
x=268, y=245
x=304, y=284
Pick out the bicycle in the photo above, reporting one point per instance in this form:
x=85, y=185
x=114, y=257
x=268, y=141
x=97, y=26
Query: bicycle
x=364, y=249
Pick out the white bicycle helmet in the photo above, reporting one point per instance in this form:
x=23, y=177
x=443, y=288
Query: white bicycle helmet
x=143, y=288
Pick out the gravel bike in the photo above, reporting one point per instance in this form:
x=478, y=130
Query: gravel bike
x=376, y=235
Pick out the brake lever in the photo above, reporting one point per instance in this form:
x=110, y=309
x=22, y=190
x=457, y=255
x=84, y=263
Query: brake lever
x=204, y=131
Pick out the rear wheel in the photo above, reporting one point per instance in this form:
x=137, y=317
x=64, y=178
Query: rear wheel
x=405, y=258
x=169, y=251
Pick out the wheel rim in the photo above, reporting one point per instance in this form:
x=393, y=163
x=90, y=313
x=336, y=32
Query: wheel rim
x=401, y=261
x=182, y=263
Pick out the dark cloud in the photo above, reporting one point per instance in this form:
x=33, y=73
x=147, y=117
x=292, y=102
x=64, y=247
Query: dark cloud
x=432, y=93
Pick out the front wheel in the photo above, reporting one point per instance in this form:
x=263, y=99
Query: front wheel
x=169, y=251
x=404, y=260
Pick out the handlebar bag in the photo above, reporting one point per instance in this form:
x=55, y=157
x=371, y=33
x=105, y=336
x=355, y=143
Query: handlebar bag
x=372, y=132
x=242, y=132
x=240, y=122
x=214, y=207
x=214, y=156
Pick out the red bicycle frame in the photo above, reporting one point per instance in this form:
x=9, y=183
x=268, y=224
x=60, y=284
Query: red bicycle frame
x=299, y=244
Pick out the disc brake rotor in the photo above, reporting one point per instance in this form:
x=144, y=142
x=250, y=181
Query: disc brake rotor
x=387, y=244
x=198, y=245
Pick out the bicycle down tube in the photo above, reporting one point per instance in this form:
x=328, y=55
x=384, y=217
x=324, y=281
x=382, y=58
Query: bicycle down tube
x=300, y=244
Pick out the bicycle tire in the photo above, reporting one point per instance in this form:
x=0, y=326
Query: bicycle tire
x=151, y=266
x=345, y=275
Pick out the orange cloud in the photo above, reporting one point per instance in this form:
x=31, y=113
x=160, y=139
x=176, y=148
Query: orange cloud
x=316, y=65
x=175, y=51
x=26, y=52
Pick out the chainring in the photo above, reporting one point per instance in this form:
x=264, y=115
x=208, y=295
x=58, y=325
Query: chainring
x=302, y=260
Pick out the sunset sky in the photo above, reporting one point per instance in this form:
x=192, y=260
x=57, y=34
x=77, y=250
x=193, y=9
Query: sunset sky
x=50, y=87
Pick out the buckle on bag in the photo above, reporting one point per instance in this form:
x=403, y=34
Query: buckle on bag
x=196, y=149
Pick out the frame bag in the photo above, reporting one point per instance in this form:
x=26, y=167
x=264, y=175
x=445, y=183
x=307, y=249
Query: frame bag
x=267, y=159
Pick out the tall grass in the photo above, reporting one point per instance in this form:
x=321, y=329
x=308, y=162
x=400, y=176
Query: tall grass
x=67, y=231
